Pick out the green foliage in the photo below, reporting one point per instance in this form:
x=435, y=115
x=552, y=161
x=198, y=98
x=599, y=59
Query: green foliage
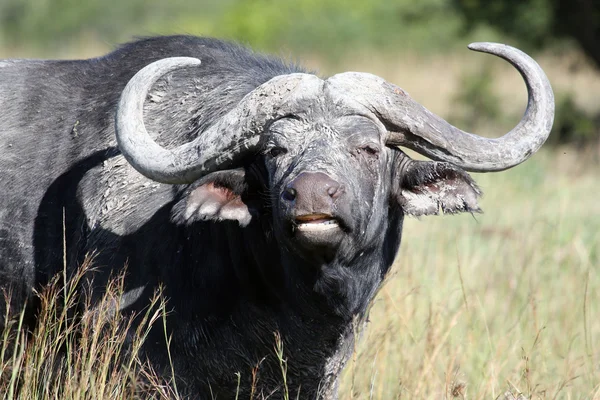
x=56, y=23
x=537, y=23
x=573, y=124
x=328, y=27
x=528, y=21
x=337, y=26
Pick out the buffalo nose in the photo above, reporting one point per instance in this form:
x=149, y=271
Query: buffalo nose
x=289, y=194
x=312, y=188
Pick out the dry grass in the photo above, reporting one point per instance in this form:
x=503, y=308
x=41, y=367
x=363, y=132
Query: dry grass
x=507, y=299
x=77, y=351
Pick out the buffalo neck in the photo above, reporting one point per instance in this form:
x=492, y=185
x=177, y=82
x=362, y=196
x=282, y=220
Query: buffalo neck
x=249, y=267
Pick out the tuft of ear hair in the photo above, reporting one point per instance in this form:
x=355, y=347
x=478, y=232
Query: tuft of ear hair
x=430, y=186
x=215, y=197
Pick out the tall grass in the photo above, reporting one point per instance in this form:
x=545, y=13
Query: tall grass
x=505, y=300
x=77, y=351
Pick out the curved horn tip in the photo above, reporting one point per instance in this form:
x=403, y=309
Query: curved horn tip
x=486, y=47
x=141, y=151
x=155, y=70
x=165, y=65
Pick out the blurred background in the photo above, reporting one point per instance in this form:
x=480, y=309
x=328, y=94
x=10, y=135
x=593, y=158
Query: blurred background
x=475, y=307
x=419, y=45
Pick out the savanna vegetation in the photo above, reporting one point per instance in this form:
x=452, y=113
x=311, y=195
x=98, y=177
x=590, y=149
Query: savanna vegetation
x=495, y=305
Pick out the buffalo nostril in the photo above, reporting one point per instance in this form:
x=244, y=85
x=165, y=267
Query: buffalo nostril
x=334, y=191
x=289, y=194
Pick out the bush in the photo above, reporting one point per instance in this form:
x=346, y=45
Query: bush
x=573, y=125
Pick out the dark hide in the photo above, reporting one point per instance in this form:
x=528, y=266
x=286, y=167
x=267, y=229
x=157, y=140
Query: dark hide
x=221, y=246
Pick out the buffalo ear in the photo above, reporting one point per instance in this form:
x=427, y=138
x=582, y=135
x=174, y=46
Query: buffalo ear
x=428, y=186
x=215, y=197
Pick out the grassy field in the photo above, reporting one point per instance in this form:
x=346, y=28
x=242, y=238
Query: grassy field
x=475, y=306
x=508, y=299
x=503, y=301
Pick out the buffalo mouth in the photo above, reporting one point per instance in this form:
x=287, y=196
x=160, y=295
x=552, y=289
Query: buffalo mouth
x=310, y=223
x=317, y=232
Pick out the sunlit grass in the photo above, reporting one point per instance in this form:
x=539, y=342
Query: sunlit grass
x=503, y=300
x=79, y=350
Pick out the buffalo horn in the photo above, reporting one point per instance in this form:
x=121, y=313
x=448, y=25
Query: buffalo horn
x=411, y=125
x=220, y=146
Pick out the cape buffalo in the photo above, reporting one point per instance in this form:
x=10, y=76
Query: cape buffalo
x=262, y=197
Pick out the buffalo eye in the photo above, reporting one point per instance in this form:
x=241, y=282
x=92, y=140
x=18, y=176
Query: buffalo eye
x=369, y=150
x=277, y=151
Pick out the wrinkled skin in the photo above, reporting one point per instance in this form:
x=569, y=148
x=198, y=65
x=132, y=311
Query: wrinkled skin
x=355, y=158
x=239, y=253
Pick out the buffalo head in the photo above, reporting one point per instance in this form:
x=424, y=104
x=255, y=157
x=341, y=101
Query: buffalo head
x=326, y=154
